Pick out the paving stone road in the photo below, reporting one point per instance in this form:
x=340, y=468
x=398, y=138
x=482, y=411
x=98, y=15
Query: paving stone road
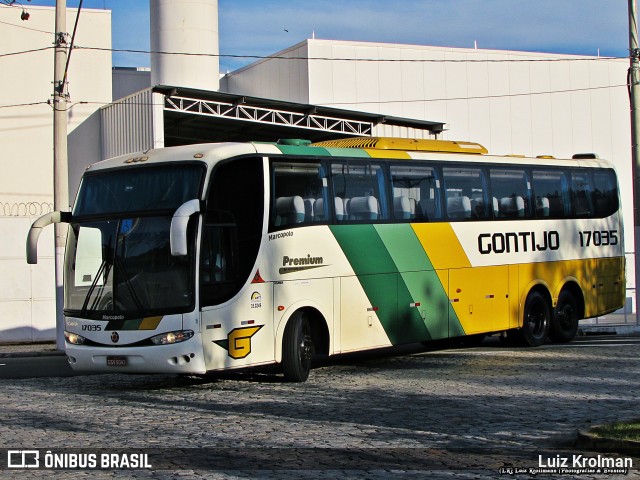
x=457, y=413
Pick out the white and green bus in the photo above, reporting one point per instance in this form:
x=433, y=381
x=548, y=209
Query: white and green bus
x=210, y=257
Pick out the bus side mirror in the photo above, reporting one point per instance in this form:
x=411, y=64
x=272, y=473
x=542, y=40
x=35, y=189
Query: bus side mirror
x=36, y=228
x=179, y=222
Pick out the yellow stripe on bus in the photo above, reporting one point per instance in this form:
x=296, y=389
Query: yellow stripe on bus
x=150, y=323
x=373, y=153
x=442, y=245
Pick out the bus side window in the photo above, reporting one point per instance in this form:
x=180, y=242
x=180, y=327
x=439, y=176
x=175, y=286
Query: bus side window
x=549, y=187
x=218, y=263
x=510, y=193
x=580, y=195
x=359, y=188
x=298, y=194
x=465, y=193
x=416, y=193
x=605, y=193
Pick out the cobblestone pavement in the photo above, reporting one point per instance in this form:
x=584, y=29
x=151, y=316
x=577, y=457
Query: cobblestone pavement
x=458, y=413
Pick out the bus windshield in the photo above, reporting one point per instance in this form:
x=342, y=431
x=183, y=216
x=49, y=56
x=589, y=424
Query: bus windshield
x=119, y=264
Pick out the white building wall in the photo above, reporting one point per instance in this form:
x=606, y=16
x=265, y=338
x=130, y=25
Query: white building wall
x=275, y=79
x=27, y=293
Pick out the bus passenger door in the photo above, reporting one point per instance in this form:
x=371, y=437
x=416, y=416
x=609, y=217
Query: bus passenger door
x=480, y=298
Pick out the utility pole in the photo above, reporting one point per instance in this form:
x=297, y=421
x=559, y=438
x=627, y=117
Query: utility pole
x=60, y=162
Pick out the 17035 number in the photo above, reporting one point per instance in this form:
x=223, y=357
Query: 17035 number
x=598, y=238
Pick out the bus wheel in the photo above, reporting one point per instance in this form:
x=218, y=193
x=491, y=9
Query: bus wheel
x=564, y=324
x=297, y=348
x=535, y=325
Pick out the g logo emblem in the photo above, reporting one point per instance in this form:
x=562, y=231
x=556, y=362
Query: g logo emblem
x=238, y=342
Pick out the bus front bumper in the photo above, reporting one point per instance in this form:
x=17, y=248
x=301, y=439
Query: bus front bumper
x=183, y=357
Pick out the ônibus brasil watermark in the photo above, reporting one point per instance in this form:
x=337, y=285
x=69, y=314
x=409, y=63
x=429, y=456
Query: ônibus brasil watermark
x=35, y=459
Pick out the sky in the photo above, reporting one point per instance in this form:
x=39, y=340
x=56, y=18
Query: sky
x=264, y=27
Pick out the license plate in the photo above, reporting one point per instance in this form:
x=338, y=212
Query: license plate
x=116, y=361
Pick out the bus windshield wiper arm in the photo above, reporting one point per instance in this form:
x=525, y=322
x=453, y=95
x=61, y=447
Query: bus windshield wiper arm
x=105, y=268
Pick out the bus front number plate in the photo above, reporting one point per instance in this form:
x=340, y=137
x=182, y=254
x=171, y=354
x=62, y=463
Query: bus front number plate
x=116, y=361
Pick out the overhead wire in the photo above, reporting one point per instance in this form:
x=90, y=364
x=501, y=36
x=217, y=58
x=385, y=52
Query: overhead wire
x=351, y=59
x=360, y=102
x=22, y=52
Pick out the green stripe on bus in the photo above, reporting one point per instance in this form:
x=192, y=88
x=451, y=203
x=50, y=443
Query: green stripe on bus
x=380, y=279
x=347, y=152
x=303, y=150
x=421, y=280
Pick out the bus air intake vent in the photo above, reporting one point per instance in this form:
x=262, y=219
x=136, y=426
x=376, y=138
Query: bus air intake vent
x=405, y=144
x=585, y=156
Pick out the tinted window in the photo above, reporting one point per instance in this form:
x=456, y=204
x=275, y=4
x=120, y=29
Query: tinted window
x=299, y=194
x=510, y=193
x=605, y=193
x=138, y=189
x=416, y=193
x=580, y=195
x=550, y=189
x=465, y=193
x=359, y=192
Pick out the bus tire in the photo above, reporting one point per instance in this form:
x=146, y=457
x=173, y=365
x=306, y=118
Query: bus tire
x=564, y=324
x=297, y=348
x=535, y=324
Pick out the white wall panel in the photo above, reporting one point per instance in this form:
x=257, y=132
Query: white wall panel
x=367, y=79
x=320, y=73
x=344, y=76
x=412, y=82
x=541, y=109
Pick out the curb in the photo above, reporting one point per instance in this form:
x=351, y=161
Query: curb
x=629, y=330
x=588, y=441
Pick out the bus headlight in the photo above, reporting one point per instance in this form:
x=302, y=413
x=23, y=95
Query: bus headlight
x=73, y=338
x=172, y=337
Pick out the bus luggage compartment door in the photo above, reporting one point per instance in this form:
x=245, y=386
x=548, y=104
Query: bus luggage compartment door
x=480, y=298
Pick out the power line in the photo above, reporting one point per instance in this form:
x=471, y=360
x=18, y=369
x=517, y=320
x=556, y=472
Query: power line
x=22, y=52
x=359, y=102
x=26, y=28
x=483, y=97
x=346, y=59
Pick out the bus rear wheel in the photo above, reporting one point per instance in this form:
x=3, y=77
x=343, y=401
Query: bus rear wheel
x=564, y=324
x=297, y=348
x=535, y=324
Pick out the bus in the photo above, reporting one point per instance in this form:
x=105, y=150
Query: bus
x=208, y=257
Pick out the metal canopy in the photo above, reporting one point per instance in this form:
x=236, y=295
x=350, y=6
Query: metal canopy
x=195, y=116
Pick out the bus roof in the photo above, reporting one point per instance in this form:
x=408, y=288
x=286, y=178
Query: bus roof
x=364, y=147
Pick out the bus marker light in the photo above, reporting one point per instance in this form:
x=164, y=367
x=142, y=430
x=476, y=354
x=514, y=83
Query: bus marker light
x=372, y=309
x=415, y=304
x=247, y=322
x=280, y=308
x=489, y=296
x=172, y=337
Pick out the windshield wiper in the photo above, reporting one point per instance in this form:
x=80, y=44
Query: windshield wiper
x=105, y=267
